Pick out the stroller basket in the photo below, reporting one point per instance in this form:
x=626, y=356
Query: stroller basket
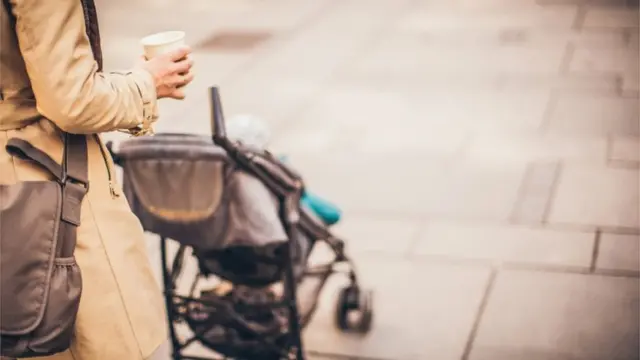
x=238, y=211
x=187, y=189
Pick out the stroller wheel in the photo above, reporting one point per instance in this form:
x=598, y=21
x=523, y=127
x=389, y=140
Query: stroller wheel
x=354, y=310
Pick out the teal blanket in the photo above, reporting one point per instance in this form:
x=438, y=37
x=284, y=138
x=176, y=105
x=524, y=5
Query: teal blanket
x=325, y=210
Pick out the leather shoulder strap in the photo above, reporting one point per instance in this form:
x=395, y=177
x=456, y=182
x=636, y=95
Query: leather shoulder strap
x=91, y=25
x=74, y=165
x=93, y=30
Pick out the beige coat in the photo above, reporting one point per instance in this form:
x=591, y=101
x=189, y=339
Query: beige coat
x=47, y=71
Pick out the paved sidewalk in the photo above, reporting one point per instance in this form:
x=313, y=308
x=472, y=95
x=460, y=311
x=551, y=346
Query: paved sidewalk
x=486, y=154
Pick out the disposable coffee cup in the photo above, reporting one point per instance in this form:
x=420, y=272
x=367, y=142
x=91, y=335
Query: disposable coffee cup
x=162, y=43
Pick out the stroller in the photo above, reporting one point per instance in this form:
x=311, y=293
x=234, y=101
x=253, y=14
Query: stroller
x=237, y=210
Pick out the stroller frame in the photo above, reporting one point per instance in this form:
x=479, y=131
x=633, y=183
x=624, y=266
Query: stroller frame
x=351, y=298
x=175, y=301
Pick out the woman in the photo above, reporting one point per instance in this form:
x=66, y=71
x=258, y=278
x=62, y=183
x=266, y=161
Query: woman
x=50, y=80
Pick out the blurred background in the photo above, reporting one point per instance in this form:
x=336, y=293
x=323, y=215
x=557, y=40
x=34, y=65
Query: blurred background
x=486, y=155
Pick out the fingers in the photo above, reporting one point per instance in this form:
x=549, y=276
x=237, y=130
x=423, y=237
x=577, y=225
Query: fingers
x=177, y=81
x=187, y=78
x=182, y=66
x=178, y=94
x=179, y=54
x=172, y=71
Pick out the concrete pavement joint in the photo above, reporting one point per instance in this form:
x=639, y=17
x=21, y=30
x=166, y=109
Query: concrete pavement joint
x=596, y=250
x=619, y=84
x=529, y=194
x=515, y=266
x=607, y=90
x=552, y=192
x=434, y=217
x=630, y=274
x=609, y=149
x=623, y=164
x=618, y=79
x=481, y=310
x=618, y=163
x=514, y=218
x=522, y=193
x=630, y=94
x=549, y=109
x=578, y=20
x=627, y=36
x=604, y=228
x=567, y=58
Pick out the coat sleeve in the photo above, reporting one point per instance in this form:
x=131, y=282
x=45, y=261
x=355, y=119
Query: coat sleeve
x=64, y=75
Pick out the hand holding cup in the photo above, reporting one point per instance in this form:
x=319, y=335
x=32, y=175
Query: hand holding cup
x=166, y=58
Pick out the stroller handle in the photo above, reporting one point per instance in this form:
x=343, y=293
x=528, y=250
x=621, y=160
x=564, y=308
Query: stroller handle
x=218, y=126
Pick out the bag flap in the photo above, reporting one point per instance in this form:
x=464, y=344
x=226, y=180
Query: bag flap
x=29, y=221
x=176, y=178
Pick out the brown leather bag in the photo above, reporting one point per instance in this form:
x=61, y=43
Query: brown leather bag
x=40, y=282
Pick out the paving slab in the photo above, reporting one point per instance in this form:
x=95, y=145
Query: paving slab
x=503, y=243
x=369, y=183
x=549, y=316
x=532, y=147
x=597, y=196
x=480, y=191
x=391, y=57
x=422, y=311
x=378, y=235
x=622, y=62
x=478, y=16
x=527, y=55
x=619, y=252
x=395, y=183
x=336, y=38
x=512, y=34
x=625, y=149
x=574, y=83
x=631, y=84
x=360, y=119
x=611, y=18
x=594, y=115
x=482, y=83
